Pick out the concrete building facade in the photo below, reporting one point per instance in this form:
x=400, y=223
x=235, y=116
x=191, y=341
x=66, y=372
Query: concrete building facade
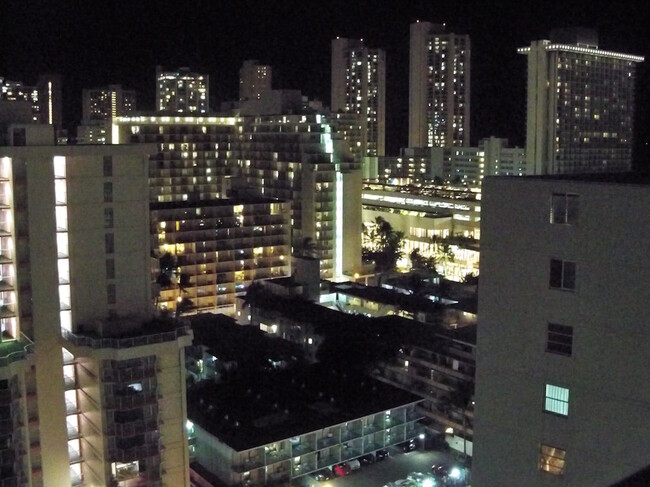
x=255, y=80
x=562, y=389
x=101, y=400
x=580, y=108
x=182, y=91
x=439, y=87
x=359, y=87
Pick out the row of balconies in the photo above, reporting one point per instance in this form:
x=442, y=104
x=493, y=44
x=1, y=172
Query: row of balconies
x=118, y=343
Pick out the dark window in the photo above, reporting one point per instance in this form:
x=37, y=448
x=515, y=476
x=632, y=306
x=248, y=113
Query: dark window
x=20, y=138
x=108, y=192
x=110, y=268
x=559, y=339
x=563, y=274
x=564, y=208
x=108, y=217
x=108, y=166
x=111, y=294
x=109, y=243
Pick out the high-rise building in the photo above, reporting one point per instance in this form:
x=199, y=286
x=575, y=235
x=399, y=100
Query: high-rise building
x=295, y=158
x=99, y=105
x=17, y=91
x=254, y=80
x=439, y=87
x=359, y=87
x=580, y=108
x=562, y=385
x=107, y=102
x=182, y=91
x=92, y=380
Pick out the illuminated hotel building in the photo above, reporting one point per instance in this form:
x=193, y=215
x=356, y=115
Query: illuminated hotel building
x=466, y=165
x=439, y=87
x=254, y=80
x=359, y=87
x=91, y=380
x=99, y=105
x=580, y=110
x=17, y=91
x=562, y=389
x=182, y=91
x=291, y=158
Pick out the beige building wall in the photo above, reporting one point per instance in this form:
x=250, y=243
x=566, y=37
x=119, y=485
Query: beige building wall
x=606, y=434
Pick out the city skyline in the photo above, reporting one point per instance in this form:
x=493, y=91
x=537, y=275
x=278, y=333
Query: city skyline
x=100, y=43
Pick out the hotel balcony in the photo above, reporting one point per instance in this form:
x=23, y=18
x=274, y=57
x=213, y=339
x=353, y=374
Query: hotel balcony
x=13, y=350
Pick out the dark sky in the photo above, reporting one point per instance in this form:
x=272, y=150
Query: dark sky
x=94, y=43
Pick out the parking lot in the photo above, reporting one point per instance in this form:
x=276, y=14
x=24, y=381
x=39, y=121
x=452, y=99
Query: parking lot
x=396, y=467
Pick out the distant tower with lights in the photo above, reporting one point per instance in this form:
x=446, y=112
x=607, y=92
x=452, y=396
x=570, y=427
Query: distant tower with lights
x=580, y=109
x=359, y=87
x=439, y=87
x=254, y=80
x=182, y=91
x=107, y=102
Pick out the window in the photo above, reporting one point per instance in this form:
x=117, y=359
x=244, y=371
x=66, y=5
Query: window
x=556, y=400
x=110, y=268
x=552, y=459
x=109, y=243
x=559, y=339
x=108, y=166
x=564, y=208
x=108, y=192
x=108, y=217
x=20, y=137
x=563, y=274
x=111, y=294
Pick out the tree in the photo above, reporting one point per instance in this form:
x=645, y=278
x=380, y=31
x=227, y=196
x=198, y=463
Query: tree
x=383, y=245
x=418, y=261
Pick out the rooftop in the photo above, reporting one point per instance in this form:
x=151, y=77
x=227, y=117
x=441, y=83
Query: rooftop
x=624, y=178
x=262, y=408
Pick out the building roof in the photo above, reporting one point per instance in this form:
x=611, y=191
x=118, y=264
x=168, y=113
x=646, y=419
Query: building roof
x=634, y=178
x=262, y=408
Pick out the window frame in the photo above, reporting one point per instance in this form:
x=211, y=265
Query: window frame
x=564, y=208
x=559, y=341
x=548, y=453
x=556, y=400
x=564, y=275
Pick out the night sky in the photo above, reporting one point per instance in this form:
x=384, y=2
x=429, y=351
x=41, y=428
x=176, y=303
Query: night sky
x=94, y=43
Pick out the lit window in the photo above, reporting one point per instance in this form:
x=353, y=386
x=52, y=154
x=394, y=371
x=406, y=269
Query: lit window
x=564, y=208
x=559, y=339
x=562, y=274
x=552, y=459
x=556, y=400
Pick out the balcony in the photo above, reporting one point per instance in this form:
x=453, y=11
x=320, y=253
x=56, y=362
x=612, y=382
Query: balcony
x=14, y=350
x=143, y=339
x=248, y=464
x=327, y=442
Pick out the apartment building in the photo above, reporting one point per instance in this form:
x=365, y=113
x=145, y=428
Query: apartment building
x=580, y=108
x=94, y=381
x=182, y=91
x=439, y=86
x=255, y=80
x=99, y=105
x=562, y=390
x=359, y=87
x=292, y=158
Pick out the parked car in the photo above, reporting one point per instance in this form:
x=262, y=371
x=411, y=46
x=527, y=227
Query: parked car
x=324, y=474
x=367, y=459
x=440, y=471
x=381, y=455
x=354, y=464
x=342, y=469
x=420, y=478
x=408, y=446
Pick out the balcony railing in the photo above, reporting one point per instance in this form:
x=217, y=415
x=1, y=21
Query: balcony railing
x=137, y=341
x=15, y=350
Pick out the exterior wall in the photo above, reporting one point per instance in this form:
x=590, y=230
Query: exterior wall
x=605, y=434
x=254, y=80
x=573, y=126
x=287, y=157
x=438, y=102
x=359, y=86
x=182, y=91
x=221, y=246
x=276, y=462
